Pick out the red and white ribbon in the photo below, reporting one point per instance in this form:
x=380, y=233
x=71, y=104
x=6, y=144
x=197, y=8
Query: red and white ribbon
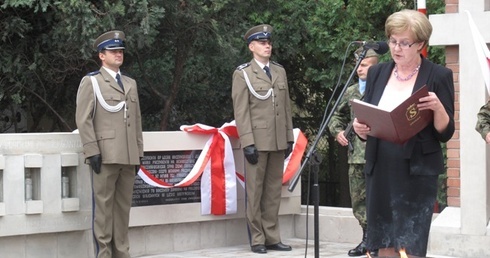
x=216, y=167
x=218, y=181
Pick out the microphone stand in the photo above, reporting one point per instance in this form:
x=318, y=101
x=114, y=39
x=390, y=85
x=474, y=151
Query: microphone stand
x=314, y=164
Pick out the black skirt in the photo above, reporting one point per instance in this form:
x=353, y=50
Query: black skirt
x=399, y=205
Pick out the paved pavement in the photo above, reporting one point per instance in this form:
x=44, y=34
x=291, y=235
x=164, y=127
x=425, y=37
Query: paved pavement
x=326, y=249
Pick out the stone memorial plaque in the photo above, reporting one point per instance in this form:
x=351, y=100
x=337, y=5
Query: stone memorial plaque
x=171, y=167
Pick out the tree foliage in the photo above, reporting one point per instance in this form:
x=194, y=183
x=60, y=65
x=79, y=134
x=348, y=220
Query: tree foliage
x=182, y=53
x=46, y=47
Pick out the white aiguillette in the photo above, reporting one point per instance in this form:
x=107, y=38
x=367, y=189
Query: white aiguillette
x=397, y=125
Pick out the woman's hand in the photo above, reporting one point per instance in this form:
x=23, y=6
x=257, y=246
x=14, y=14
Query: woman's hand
x=361, y=130
x=431, y=102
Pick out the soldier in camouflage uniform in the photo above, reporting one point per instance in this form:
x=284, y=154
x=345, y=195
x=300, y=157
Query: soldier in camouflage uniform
x=483, y=123
x=339, y=121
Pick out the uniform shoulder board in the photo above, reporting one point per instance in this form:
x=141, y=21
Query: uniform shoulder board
x=93, y=73
x=243, y=66
x=276, y=63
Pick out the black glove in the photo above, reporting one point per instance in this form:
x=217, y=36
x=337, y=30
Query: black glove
x=95, y=163
x=288, y=149
x=137, y=168
x=251, y=154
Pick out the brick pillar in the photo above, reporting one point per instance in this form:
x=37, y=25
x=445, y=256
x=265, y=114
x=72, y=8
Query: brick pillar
x=453, y=146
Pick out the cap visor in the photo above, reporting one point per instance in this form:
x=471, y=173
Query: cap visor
x=114, y=48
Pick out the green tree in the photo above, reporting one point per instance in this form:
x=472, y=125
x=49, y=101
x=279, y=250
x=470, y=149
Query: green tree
x=46, y=47
x=182, y=53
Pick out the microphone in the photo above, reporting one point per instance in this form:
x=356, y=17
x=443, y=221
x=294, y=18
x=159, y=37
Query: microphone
x=379, y=47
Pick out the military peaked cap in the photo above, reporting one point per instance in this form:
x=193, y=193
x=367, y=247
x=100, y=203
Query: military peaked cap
x=110, y=40
x=259, y=32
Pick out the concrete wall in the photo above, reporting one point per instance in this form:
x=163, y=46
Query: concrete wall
x=52, y=226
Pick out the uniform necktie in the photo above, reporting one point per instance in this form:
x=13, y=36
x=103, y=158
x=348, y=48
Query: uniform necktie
x=118, y=79
x=268, y=72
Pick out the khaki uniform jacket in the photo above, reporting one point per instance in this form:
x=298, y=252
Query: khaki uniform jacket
x=118, y=140
x=266, y=124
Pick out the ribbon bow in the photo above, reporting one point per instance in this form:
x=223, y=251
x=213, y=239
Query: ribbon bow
x=216, y=167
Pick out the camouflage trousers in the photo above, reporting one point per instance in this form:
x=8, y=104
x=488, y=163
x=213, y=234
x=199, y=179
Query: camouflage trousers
x=357, y=186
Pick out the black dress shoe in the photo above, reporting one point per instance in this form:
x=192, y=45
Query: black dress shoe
x=279, y=247
x=260, y=249
x=359, y=250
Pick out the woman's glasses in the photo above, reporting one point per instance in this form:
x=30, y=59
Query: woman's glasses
x=403, y=45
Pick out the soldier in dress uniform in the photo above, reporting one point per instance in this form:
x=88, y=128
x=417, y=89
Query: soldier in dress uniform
x=337, y=126
x=483, y=122
x=109, y=122
x=262, y=110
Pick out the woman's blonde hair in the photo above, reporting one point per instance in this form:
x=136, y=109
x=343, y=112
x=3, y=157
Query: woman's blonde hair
x=412, y=20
